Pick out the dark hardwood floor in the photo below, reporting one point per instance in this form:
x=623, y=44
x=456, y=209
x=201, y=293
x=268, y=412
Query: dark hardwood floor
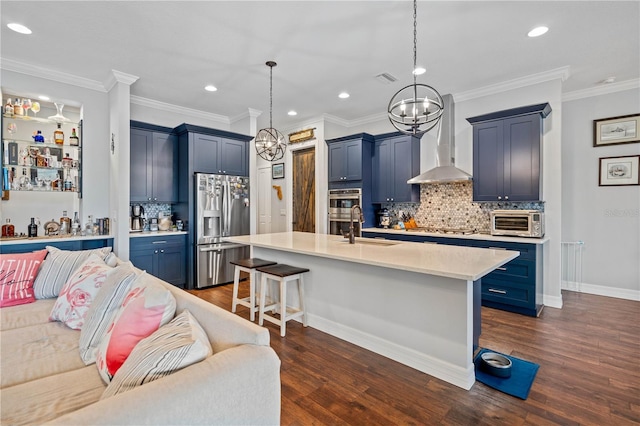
x=589, y=356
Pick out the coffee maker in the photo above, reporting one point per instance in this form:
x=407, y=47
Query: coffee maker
x=137, y=222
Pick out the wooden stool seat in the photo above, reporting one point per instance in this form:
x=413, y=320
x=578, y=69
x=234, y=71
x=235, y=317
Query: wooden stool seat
x=283, y=274
x=249, y=266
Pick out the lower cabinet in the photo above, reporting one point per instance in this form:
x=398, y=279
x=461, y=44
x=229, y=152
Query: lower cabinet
x=162, y=256
x=80, y=244
x=515, y=286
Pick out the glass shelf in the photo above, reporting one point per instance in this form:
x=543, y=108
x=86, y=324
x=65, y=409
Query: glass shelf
x=36, y=119
x=42, y=144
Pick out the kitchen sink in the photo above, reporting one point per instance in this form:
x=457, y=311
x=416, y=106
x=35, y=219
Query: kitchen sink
x=373, y=242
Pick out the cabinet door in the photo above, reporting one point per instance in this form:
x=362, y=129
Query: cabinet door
x=401, y=170
x=144, y=259
x=381, y=181
x=233, y=158
x=164, y=157
x=336, y=160
x=140, y=165
x=206, y=152
x=172, y=263
x=522, y=137
x=488, y=161
x=352, y=160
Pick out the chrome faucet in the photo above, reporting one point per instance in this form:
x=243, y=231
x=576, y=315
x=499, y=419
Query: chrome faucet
x=352, y=233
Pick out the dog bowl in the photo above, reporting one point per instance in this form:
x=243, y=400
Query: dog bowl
x=496, y=364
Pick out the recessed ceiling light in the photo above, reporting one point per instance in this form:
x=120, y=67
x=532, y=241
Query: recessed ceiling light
x=292, y=113
x=343, y=95
x=608, y=80
x=210, y=88
x=19, y=28
x=419, y=71
x=44, y=98
x=538, y=31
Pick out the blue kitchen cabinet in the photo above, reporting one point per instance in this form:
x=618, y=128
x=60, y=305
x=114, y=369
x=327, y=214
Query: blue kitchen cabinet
x=515, y=286
x=507, y=154
x=396, y=159
x=349, y=157
x=79, y=244
x=164, y=256
x=153, y=162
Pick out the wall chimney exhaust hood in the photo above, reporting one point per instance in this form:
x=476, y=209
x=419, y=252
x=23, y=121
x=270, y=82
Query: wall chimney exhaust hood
x=445, y=170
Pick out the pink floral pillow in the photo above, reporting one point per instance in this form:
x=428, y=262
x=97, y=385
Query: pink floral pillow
x=17, y=274
x=146, y=307
x=78, y=292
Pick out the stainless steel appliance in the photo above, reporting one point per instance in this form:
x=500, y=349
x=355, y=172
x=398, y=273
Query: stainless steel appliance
x=517, y=223
x=384, y=218
x=222, y=210
x=340, y=203
x=137, y=222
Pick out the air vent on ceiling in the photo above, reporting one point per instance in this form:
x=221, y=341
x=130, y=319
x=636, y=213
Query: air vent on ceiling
x=385, y=78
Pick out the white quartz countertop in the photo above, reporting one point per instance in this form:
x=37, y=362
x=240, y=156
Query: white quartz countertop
x=53, y=239
x=466, y=263
x=155, y=234
x=484, y=237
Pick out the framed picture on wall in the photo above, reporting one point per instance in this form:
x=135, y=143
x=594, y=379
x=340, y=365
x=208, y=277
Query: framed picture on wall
x=277, y=171
x=616, y=130
x=619, y=171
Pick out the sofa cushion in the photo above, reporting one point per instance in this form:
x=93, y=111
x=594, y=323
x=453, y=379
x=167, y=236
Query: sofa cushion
x=146, y=307
x=26, y=315
x=172, y=347
x=17, y=275
x=57, y=268
x=78, y=293
x=103, y=310
x=50, y=397
x=41, y=350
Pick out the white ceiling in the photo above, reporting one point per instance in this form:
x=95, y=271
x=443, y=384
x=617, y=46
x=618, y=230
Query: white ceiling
x=321, y=47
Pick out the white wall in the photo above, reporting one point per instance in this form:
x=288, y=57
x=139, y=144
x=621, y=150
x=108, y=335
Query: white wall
x=607, y=219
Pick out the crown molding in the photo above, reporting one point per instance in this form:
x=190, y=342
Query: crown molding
x=562, y=73
x=175, y=109
x=250, y=113
x=335, y=120
x=601, y=90
x=119, y=77
x=48, y=74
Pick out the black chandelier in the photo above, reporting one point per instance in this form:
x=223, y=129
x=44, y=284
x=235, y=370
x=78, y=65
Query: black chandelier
x=417, y=108
x=270, y=143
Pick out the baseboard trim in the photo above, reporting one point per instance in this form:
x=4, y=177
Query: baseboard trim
x=464, y=378
x=599, y=290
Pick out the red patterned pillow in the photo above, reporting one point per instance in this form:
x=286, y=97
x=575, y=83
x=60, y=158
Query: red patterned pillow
x=17, y=274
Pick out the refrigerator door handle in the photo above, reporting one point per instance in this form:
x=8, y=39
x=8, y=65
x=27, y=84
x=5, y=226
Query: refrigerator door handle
x=219, y=248
x=225, y=208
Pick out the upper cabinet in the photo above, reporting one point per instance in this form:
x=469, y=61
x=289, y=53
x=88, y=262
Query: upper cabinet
x=396, y=159
x=347, y=157
x=38, y=153
x=153, y=161
x=215, y=151
x=507, y=154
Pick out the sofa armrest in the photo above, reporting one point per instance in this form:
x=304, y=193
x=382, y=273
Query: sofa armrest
x=240, y=385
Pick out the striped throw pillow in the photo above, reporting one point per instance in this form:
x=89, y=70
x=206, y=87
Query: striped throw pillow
x=174, y=346
x=58, y=267
x=103, y=310
x=17, y=274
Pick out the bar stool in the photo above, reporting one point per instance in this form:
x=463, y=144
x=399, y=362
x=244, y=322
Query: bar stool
x=283, y=274
x=247, y=265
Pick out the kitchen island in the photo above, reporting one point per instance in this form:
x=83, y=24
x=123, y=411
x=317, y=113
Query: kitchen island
x=418, y=304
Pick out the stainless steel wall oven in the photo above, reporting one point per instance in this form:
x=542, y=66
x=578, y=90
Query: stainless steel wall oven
x=340, y=203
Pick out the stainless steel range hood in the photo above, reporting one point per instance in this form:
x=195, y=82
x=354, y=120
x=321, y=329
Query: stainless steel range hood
x=445, y=170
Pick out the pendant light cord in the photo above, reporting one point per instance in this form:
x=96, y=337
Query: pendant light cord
x=415, y=38
x=270, y=96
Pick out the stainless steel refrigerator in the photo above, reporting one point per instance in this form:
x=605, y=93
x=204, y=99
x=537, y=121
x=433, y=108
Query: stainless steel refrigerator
x=222, y=210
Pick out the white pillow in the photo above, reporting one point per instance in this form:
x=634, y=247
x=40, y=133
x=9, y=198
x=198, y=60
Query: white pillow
x=78, y=293
x=147, y=306
x=57, y=268
x=172, y=347
x=103, y=310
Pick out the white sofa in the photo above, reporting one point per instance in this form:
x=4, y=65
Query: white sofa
x=45, y=381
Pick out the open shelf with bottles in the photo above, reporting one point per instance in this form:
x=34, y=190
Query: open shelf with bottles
x=41, y=154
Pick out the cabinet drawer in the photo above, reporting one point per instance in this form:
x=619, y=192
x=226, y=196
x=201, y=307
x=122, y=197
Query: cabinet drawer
x=516, y=270
x=146, y=243
x=527, y=251
x=511, y=294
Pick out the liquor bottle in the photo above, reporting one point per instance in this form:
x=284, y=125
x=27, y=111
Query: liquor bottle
x=8, y=107
x=75, y=225
x=8, y=230
x=68, y=183
x=65, y=223
x=73, y=139
x=17, y=107
x=88, y=227
x=58, y=135
x=32, y=229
